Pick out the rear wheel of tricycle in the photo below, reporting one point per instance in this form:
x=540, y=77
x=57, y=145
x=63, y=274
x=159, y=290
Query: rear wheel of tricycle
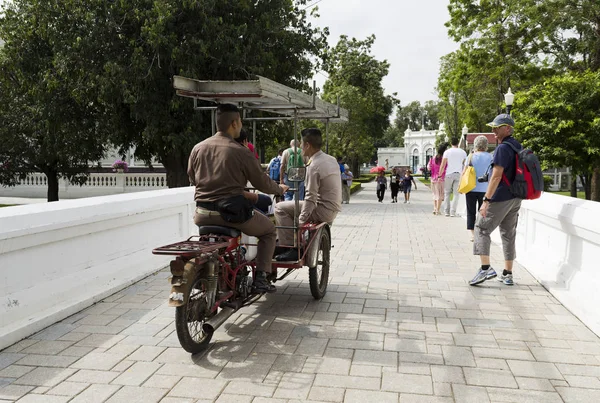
x=319, y=276
x=190, y=317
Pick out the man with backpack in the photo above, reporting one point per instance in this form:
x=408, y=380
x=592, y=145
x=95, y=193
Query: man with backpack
x=291, y=159
x=508, y=183
x=274, y=167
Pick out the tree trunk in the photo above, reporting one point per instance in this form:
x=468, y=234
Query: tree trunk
x=176, y=166
x=52, y=185
x=573, y=185
x=586, y=180
x=595, y=188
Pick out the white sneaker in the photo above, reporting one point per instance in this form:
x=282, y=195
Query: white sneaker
x=451, y=215
x=408, y=202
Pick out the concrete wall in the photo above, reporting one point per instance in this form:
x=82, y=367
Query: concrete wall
x=58, y=258
x=558, y=242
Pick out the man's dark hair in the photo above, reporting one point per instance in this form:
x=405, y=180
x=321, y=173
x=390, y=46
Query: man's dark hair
x=440, y=153
x=313, y=137
x=281, y=150
x=226, y=114
x=243, y=136
x=454, y=141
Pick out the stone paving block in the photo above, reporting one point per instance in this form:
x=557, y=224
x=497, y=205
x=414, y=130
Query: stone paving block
x=449, y=374
x=360, y=396
x=100, y=340
x=35, y=398
x=194, y=388
x=311, y=347
x=407, y=383
x=381, y=358
x=490, y=377
x=535, y=384
x=522, y=396
x=372, y=371
x=294, y=386
x=470, y=394
x=98, y=361
x=534, y=369
x=68, y=389
x=420, y=358
x=134, y=394
x=578, y=381
x=137, y=374
x=503, y=354
x=442, y=389
x=577, y=395
x=244, y=371
x=39, y=360
x=491, y=363
x=15, y=371
x=14, y=392
x=411, y=398
x=326, y=394
x=191, y=371
x=346, y=381
x=45, y=376
x=327, y=365
x=91, y=376
x=54, y=332
x=7, y=359
x=583, y=370
x=394, y=343
x=459, y=356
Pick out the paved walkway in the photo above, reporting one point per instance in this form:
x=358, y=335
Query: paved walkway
x=399, y=324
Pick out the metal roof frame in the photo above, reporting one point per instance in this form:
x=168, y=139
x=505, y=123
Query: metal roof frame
x=261, y=94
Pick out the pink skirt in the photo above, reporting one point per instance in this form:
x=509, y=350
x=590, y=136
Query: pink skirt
x=437, y=188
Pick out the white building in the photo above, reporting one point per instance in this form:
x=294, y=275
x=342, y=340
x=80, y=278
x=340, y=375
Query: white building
x=419, y=148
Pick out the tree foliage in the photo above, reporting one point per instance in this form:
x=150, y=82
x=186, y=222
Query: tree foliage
x=49, y=122
x=356, y=77
x=97, y=71
x=559, y=120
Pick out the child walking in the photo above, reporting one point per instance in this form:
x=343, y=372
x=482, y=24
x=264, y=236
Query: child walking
x=406, y=180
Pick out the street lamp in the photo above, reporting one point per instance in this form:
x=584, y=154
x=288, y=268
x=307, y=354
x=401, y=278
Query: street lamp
x=465, y=130
x=509, y=98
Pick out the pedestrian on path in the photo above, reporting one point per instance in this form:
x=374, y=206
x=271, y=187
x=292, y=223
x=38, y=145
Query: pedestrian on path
x=381, y=186
x=395, y=179
x=437, y=178
x=481, y=160
x=452, y=165
x=347, y=177
x=406, y=181
x=500, y=207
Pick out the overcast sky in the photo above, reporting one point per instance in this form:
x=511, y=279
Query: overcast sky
x=410, y=34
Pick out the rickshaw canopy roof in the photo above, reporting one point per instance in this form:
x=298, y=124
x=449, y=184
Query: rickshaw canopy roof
x=261, y=94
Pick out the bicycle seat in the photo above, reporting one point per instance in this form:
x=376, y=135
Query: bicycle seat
x=218, y=230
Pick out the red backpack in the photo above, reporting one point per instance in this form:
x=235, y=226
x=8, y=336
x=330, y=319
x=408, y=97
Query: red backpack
x=529, y=180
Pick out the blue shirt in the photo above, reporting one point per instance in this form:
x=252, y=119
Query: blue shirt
x=504, y=156
x=481, y=162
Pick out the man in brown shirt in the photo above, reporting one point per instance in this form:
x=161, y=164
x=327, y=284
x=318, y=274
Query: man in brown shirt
x=220, y=168
x=323, y=192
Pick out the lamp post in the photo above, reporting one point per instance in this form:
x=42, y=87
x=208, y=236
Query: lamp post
x=465, y=130
x=509, y=98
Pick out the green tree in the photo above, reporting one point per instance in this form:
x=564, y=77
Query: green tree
x=355, y=76
x=49, y=124
x=559, y=120
x=209, y=39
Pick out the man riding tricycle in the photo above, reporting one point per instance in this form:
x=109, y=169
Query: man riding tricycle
x=231, y=264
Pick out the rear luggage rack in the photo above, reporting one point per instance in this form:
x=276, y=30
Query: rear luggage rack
x=193, y=247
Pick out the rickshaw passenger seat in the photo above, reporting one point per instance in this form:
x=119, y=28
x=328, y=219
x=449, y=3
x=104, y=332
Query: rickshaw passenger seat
x=218, y=230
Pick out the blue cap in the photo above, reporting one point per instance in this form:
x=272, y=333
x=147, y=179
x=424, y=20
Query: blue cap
x=503, y=119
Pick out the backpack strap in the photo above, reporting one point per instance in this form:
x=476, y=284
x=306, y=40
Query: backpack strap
x=517, y=151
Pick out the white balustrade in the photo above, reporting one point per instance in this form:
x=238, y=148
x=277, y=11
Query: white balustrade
x=98, y=184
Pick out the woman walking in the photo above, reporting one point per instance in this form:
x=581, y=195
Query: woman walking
x=381, y=185
x=406, y=180
x=481, y=160
x=437, y=180
x=395, y=179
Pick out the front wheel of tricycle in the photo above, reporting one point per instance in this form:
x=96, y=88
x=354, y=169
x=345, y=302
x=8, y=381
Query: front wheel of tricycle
x=190, y=317
x=318, y=276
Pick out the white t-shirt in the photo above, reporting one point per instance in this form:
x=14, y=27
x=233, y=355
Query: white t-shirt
x=455, y=157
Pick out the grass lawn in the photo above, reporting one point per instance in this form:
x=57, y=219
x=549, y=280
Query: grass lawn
x=580, y=195
x=426, y=181
x=7, y=205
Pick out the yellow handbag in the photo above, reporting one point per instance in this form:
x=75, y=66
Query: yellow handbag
x=468, y=180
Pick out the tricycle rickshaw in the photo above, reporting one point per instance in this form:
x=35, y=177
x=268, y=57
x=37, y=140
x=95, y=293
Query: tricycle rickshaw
x=212, y=272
